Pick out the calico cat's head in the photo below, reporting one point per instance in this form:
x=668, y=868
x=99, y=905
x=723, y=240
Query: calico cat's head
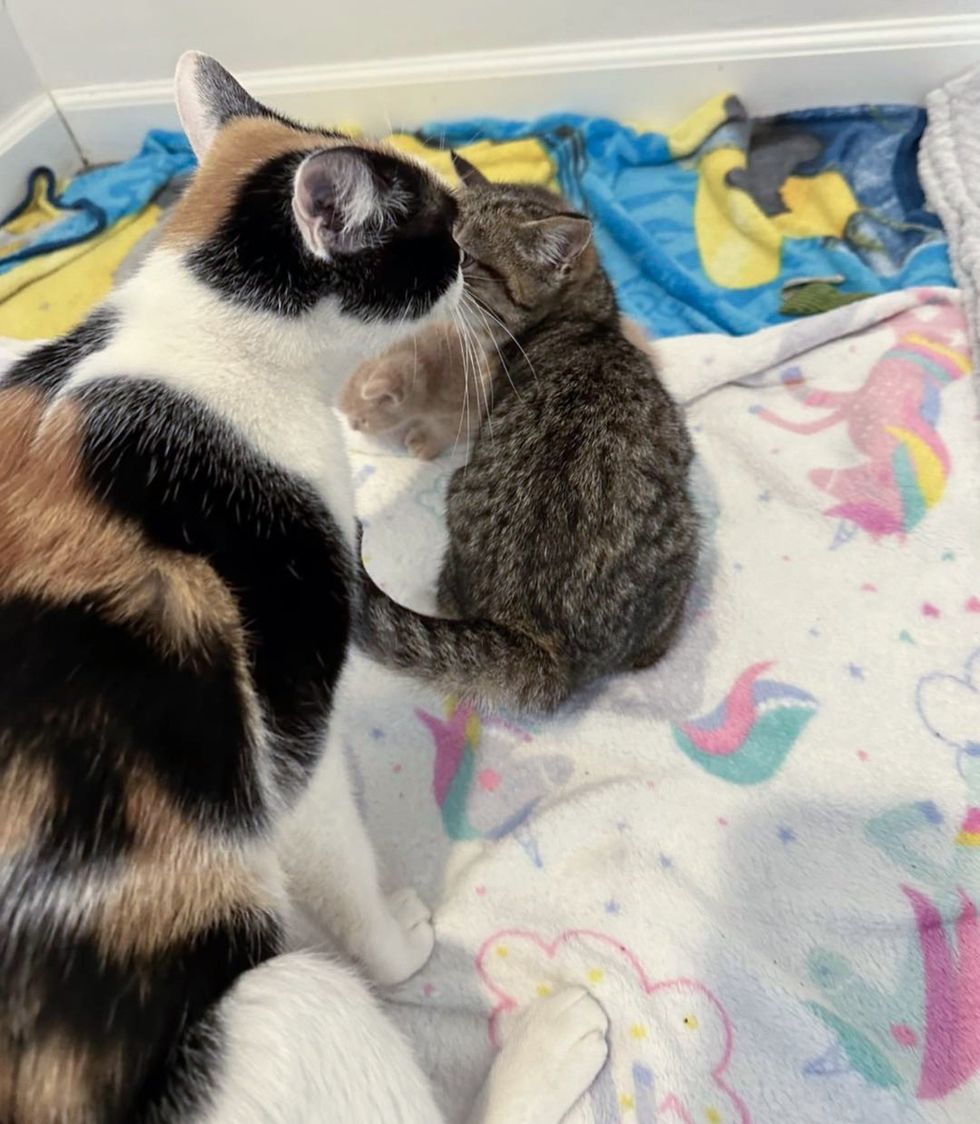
x=525, y=250
x=308, y=223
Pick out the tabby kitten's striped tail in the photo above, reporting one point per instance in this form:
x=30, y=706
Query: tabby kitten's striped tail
x=477, y=660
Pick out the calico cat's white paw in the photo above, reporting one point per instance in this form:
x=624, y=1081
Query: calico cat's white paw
x=402, y=946
x=551, y=1057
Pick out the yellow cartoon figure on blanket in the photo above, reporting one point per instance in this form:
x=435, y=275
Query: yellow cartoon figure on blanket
x=747, y=202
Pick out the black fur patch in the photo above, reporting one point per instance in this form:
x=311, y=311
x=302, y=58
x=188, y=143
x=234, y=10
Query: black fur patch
x=206, y=969
x=47, y=367
x=95, y=700
x=258, y=258
x=166, y=461
x=143, y=1008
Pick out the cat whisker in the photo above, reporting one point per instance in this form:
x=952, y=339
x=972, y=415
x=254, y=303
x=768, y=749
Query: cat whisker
x=483, y=311
x=473, y=362
x=474, y=306
x=496, y=319
x=477, y=356
x=466, y=389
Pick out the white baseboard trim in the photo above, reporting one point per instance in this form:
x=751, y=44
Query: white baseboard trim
x=33, y=134
x=655, y=80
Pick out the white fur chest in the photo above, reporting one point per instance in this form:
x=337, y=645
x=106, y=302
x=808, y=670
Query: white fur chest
x=271, y=378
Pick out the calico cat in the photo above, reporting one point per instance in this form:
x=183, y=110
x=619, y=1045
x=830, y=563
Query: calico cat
x=573, y=541
x=176, y=597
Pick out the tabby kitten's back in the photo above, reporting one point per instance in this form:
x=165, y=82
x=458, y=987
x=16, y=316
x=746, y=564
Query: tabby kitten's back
x=573, y=541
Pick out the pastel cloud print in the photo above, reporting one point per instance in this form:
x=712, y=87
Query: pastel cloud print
x=949, y=705
x=670, y=1040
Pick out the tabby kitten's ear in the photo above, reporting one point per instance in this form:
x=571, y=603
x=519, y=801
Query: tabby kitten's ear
x=342, y=203
x=557, y=240
x=208, y=97
x=467, y=172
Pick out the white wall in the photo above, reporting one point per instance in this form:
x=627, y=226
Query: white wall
x=31, y=132
x=103, y=41
x=19, y=82
x=109, y=63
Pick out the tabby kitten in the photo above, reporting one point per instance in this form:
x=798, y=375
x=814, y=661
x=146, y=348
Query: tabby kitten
x=176, y=529
x=572, y=537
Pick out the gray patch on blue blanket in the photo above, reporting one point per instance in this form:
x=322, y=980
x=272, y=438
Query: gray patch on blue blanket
x=773, y=155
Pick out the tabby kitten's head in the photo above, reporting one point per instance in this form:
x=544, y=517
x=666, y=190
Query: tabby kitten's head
x=525, y=251
x=305, y=222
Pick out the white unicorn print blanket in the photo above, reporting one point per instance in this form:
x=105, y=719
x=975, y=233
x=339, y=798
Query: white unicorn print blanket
x=763, y=856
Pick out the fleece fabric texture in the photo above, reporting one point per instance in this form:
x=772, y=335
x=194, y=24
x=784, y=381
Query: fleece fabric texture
x=949, y=162
x=763, y=856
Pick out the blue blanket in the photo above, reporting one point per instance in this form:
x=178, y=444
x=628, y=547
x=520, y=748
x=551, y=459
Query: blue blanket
x=708, y=228
x=726, y=224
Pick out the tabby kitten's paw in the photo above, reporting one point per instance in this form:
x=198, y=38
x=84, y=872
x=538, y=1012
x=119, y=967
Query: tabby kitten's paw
x=401, y=947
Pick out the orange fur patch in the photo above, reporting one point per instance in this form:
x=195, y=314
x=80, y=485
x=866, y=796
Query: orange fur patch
x=27, y=800
x=55, y=1080
x=239, y=149
x=175, y=882
x=60, y=543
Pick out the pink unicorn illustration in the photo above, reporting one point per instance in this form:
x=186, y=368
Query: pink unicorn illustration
x=892, y=421
x=951, y=1053
x=484, y=790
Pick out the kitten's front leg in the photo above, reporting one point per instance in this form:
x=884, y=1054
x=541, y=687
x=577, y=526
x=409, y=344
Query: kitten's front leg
x=332, y=876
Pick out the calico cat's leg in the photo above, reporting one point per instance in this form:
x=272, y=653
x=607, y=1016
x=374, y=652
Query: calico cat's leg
x=332, y=876
x=549, y=1060
x=301, y=1039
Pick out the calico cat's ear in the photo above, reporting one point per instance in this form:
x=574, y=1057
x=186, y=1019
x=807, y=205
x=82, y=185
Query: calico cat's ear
x=342, y=203
x=208, y=97
x=558, y=240
x=467, y=172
